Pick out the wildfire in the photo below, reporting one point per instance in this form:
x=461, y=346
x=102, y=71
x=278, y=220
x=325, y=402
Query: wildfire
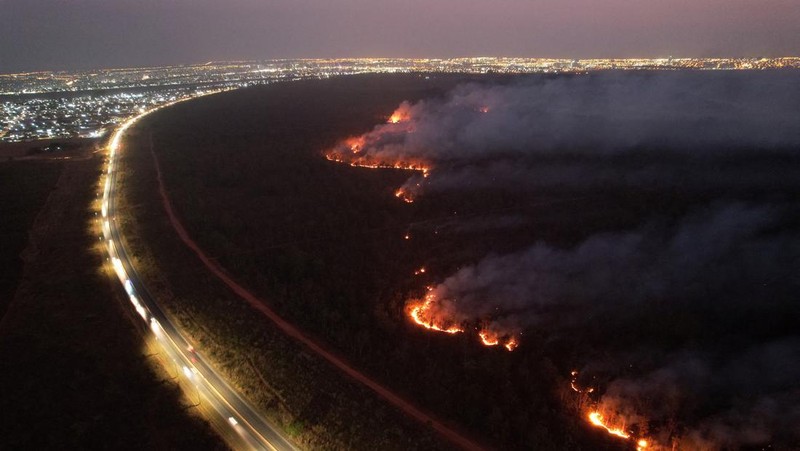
x=488, y=339
x=419, y=271
x=421, y=314
x=404, y=195
x=511, y=344
x=484, y=109
x=397, y=117
x=363, y=161
x=355, y=143
x=597, y=419
x=355, y=150
x=401, y=114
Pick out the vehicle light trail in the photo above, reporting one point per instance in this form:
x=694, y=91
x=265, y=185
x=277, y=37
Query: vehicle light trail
x=289, y=329
x=238, y=422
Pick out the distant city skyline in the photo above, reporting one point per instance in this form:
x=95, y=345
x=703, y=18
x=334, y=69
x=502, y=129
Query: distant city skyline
x=89, y=34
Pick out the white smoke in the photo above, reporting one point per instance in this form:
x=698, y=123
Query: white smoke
x=607, y=113
x=720, y=259
x=721, y=136
x=703, y=254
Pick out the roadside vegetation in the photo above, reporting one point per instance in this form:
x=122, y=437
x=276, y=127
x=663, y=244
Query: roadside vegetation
x=75, y=374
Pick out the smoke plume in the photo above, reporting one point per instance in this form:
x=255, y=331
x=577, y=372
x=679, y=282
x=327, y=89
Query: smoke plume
x=541, y=131
x=694, y=313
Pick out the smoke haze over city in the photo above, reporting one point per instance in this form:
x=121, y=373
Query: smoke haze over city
x=53, y=34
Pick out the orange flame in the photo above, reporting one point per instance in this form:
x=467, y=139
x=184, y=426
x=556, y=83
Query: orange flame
x=366, y=162
x=421, y=314
x=404, y=195
x=489, y=339
x=511, y=344
x=401, y=114
x=355, y=143
x=397, y=117
x=353, y=151
x=597, y=419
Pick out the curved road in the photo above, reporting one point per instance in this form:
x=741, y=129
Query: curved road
x=245, y=421
x=423, y=417
x=236, y=420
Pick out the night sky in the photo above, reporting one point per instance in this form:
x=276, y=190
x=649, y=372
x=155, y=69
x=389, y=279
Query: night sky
x=77, y=34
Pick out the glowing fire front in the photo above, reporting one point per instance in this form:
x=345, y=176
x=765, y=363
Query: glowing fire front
x=363, y=151
x=426, y=313
x=422, y=314
x=597, y=419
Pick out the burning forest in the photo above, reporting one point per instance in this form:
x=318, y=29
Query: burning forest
x=669, y=271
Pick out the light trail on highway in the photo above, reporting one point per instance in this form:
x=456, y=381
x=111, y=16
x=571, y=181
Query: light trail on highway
x=230, y=414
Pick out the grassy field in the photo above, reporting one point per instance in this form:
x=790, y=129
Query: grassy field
x=75, y=374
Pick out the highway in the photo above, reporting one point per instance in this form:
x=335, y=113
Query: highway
x=231, y=415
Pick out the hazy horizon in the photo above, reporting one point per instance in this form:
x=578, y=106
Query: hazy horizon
x=93, y=34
